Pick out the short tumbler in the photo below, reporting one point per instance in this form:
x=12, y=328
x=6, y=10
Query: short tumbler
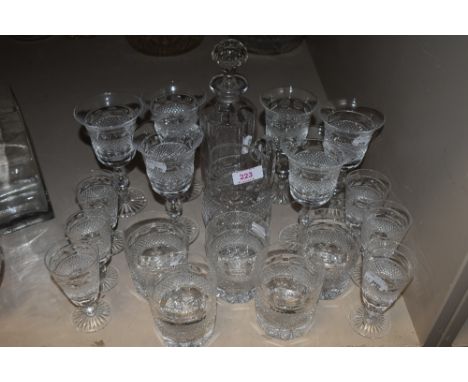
x=287, y=292
x=334, y=243
x=233, y=241
x=183, y=304
x=153, y=246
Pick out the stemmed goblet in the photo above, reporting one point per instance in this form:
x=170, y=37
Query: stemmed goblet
x=312, y=179
x=110, y=119
x=75, y=269
x=97, y=193
x=288, y=112
x=387, y=271
x=174, y=110
x=170, y=168
x=93, y=227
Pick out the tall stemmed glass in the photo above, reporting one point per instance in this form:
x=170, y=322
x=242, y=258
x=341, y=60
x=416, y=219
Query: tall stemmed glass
x=97, y=193
x=170, y=168
x=75, y=269
x=110, y=119
x=288, y=111
x=312, y=178
x=174, y=110
x=387, y=271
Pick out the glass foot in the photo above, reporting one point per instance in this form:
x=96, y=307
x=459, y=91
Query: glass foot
x=289, y=233
x=376, y=326
x=87, y=321
x=110, y=280
x=117, y=242
x=190, y=227
x=135, y=203
x=285, y=334
x=195, y=190
x=281, y=196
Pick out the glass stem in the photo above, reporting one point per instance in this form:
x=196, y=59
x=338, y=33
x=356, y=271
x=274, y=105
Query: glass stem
x=122, y=183
x=303, y=218
x=370, y=317
x=90, y=310
x=174, y=207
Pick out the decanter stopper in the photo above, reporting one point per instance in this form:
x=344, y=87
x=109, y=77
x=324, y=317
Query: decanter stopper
x=229, y=54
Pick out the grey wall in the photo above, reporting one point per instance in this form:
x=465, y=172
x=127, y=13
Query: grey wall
x=421, y=84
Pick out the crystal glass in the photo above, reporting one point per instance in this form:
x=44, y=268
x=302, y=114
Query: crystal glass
x=174, y=110
x=111, y=119
x=94, y=227
x=349, y=133
x=74, y=267
x=288, y=112
x=334, y=243
x=228, y=117
x=386, y=220
x=287, y=292
x=312, y=177
x=233, y=241
x=97, y=193
x=387, y=271
x=170, y=169
x=183, y=304
x=152, y=247
x=364, y=188
x=239, y=180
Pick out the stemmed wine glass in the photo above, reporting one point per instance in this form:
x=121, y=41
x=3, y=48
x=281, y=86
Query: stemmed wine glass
x=170, y=168
x=312, y=178
x=75, y=269
x=174, y=110
x=110, y=119
x=97, y=193
x=288, y=112
x=93, y=227
x=387, y=271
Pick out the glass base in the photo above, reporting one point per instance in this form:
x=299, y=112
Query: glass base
x=110, y=280
x=194, y=343
x=117, y=242
x=235, y=298
x=284, y=334
x=377, y=327
x=190, y=227
x=289, y=233
x=135, y=203
x=195, y=190
x=281, y=195
x=87, y=323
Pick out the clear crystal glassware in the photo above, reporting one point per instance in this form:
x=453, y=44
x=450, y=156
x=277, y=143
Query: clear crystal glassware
x=386, y=220
x=288, y=112
x=111, y=119
x=183, y=303
x=228, y=117
x=387, y=271
x=97, y=193
x=233, y=241
x=313, y=175
x=93, y=227
x=74, y=267
x=334, y=243
x=170, y=169
x=349, y=133
x=152, y=247
x=174, y=110
x=239, y=179
x=364, y=188
x=287, y=291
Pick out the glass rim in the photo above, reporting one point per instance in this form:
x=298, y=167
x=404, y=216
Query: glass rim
x=177, y=89
x=335, y=156
x=370, y=174
x=289, y=90
x=148, y=224
x=368, y=131
x=390, y=205
x=57, y=247
x=90, y=180
x=105, y=98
